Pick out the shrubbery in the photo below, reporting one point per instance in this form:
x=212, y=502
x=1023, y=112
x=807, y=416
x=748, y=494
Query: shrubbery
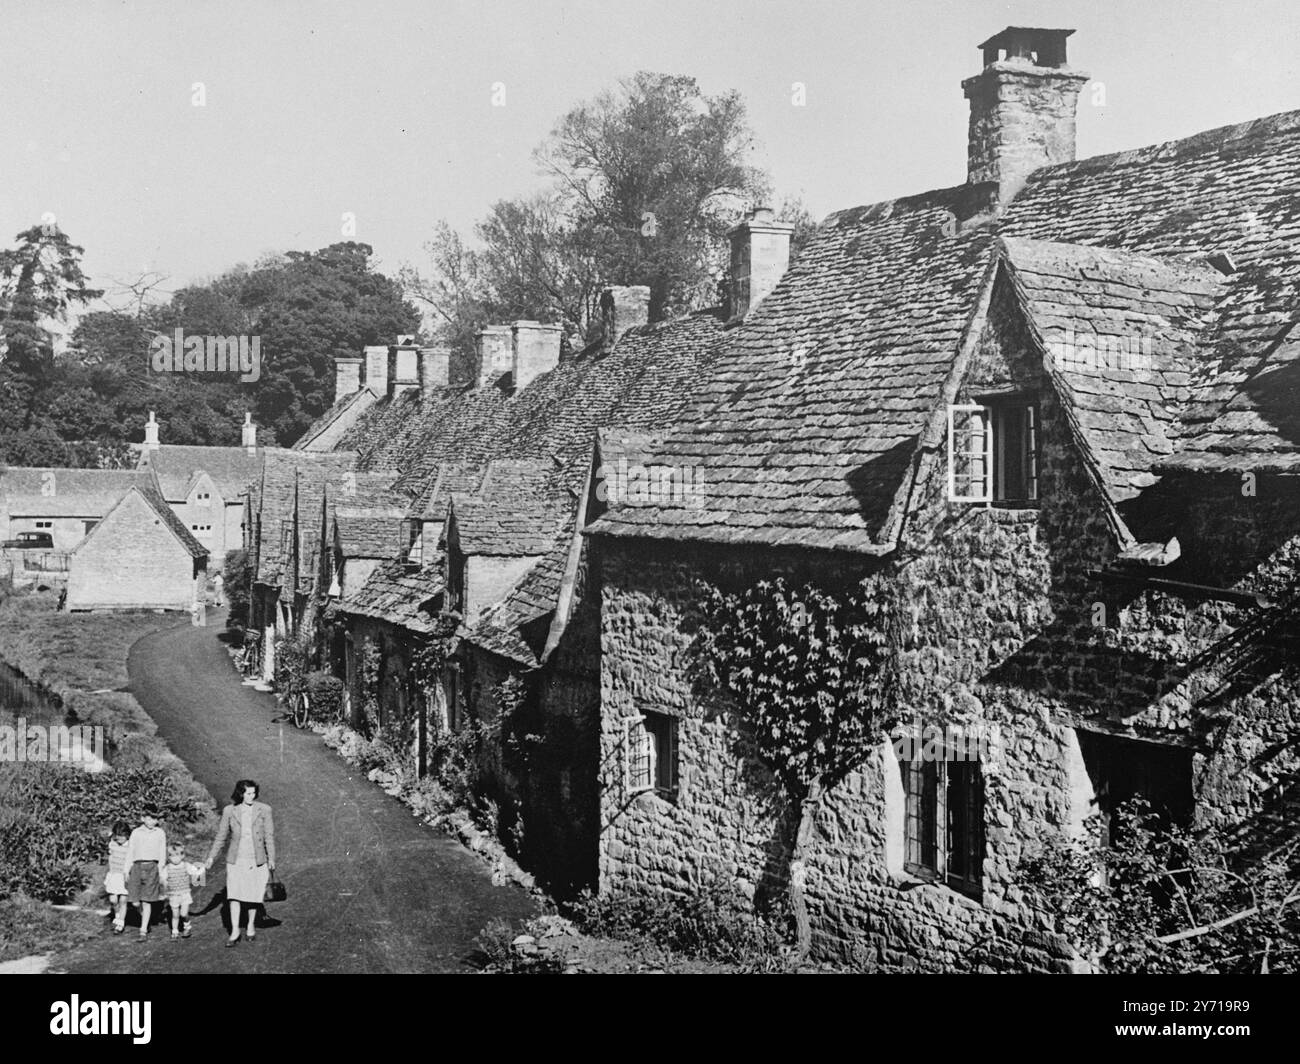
x=715, y=923
x=326, y=694
x=54, y=819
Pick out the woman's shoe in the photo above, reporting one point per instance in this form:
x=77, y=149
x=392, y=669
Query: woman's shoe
x=250, y=937
x=231, y=943
x=118, y=929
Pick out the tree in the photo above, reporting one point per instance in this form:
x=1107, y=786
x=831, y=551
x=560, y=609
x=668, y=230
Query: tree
x=645, y=182
x=807, y=673
x=39, y=280
x=309, y=310
x=1164, y=898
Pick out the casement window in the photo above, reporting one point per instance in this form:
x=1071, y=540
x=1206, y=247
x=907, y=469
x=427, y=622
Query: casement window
x=993, y=451
x=203, y=498
x=945, y=822
x=201, y=530
x=1121, y=769
x=44, y=525
x=650, y=750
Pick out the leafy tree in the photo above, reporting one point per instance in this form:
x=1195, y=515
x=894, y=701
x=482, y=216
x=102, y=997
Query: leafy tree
x=807, y=672
x=309, y=310
x=645, y=181
x=39, y=280
x=1164, y=898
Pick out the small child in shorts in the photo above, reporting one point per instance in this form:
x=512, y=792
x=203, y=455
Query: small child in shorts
x=176, y=881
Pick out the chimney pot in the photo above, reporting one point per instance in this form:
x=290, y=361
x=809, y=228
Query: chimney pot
x=151, y=433
x=249, y=432
x=1022, y=108
x=760, y=253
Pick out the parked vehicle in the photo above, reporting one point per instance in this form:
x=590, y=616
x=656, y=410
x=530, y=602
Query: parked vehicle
x=30, y=541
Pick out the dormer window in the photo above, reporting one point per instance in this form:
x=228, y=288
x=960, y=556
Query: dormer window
x=993, y=451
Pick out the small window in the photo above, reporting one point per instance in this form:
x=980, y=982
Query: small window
x=650, y=742
x=44, y=524
x=203, y=498
x=993, y=452
x=945, y=822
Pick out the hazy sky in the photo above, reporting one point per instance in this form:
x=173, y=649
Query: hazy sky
x=383, y=108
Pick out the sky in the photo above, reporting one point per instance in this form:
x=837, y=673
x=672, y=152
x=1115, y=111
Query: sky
x=383, y=109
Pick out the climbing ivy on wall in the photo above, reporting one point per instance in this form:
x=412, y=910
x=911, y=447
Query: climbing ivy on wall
x=808, y=671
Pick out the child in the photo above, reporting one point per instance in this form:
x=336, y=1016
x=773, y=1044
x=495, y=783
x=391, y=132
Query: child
x=177, y=880
x=115, y=878
x=146, y=850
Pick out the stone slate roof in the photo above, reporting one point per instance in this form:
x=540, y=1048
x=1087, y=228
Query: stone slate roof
x=397, y=593
x=532, y=599
x=448, y=443
x=76, y=492
x=516, y=510
x=368, y=532
x=1230, y=191
x=806, y=429
x=345, y=410
x=1122, y=334
x=232, y=469
x=283, y=473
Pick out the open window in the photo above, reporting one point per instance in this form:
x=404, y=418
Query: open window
x=650, y=745
x=944, y=839
x=993, y=451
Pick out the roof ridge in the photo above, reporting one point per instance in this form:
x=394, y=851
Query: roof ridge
x=1194, y=143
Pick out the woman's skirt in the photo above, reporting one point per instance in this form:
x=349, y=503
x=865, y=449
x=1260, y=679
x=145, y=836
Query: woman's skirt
x=143, y=882
x=247, y=883
x=114, y=883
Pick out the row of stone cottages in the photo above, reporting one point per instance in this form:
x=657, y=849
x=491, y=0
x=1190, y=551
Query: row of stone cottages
x=1050, y=408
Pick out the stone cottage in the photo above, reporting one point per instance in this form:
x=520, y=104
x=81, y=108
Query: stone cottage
x=205, y=486
x=1050, y=409
x=497, y=462
x=139, y=556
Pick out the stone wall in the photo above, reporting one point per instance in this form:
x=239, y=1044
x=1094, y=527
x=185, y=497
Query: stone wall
x=998, y=626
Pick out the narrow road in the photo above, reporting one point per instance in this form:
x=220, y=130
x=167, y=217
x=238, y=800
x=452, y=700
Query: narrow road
x=371, y=888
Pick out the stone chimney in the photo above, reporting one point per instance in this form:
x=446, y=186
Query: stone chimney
x=403, y=365
x=151, y=433
x=623, y=307
x=760, y=252
x=1022, y=108
x=347, y=376
x=249, y=433
x=495, y=353
x=435, y=368
x=376, y=378
x=536, y=350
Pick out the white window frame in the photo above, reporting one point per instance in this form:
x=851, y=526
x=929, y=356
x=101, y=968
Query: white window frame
x=981, y=452
x=636, y=734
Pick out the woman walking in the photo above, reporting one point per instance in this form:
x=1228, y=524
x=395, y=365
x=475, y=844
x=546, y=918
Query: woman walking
x=250, y=859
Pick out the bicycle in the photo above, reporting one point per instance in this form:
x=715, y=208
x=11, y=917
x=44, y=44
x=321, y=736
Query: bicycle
x=248, y=658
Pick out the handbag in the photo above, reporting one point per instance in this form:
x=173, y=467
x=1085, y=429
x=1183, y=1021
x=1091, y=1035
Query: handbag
x=275, y=890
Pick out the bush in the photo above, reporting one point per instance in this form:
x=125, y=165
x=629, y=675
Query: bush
x=237, y=576
x=326, y=694
x=54, y=819
x=512, y=952
x=715, y=923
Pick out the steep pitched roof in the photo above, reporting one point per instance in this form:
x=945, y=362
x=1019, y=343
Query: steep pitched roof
x=1122, y=334
x=398, y=594
x=53, y=491
x=532, y=599
x=232, y=469
x=149, y=494
x=284, y=474
x=806, y=431
x=515, y=511
x=322, y=434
